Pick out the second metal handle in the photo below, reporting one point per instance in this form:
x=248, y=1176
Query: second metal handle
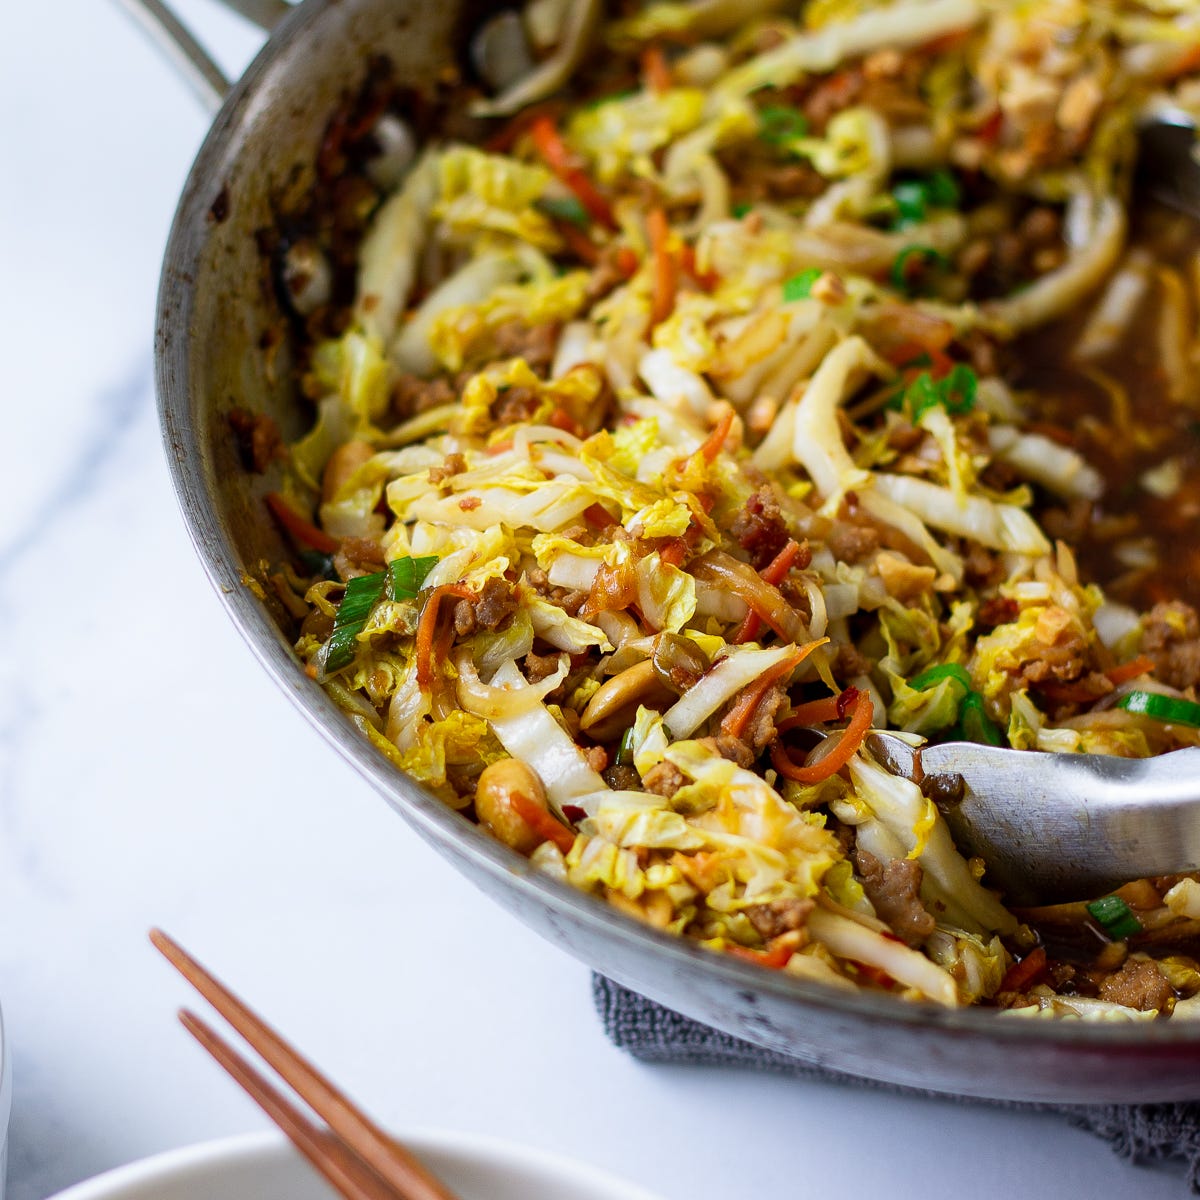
x=180, y=45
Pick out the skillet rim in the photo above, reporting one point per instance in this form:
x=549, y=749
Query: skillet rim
x=454, y=837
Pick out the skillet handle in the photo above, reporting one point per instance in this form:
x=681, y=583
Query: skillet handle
x=190, y=58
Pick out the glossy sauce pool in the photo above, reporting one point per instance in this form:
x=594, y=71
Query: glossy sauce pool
x=1141, y=540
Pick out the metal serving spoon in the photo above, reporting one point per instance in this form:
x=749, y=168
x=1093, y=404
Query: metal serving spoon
x=1059, y=826
x=1073, y=826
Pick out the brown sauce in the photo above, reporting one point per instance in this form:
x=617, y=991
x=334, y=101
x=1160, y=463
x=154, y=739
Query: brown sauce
x=1141, y=547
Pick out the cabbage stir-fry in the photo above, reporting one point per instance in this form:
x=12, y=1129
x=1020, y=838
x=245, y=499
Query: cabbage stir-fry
x=671, y=443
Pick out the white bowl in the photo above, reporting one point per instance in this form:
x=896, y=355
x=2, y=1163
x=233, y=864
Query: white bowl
x=5, y=1104
x=263, y=1166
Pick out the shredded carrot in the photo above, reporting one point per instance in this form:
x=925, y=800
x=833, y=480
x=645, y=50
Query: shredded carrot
x=567, y=423
x=665, y=272
x=989, y=131
x=815, y=712
x=427, y=627
x=711, y=446
x=579, y=243
x=627, y=261
x=1142, y=665
x=739, y=714
x=674, y=552
x=907, y=354
x=656, y=71
x=506, y=137
x=863, y=714
x=704, y=280
x=558, y=158
x=598, y=515
x=302, y=530
x=873, y=974
x=944, y=43
x=773, y=573
x=776, y=958
x=1188, y=61
x=1021, y=974
x=547, y=827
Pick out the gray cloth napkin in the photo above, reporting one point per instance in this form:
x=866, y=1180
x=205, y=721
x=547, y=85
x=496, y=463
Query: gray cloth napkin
x=1141, y=1133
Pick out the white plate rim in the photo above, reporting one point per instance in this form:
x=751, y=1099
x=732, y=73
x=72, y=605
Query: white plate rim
x=265, y=1146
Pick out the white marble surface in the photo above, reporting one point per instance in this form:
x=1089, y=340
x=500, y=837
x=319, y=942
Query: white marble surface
x=150, y=773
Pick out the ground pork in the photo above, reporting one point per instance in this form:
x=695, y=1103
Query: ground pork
x=759, y=527
x=851, y=543
x=539, y=666
x=664, y=779
x=1172, y=639
x=849, y=662
x=358, y=556
x=536, y=344
x=981, y=568
x=453, y=464
x=760, y=730
x=411, y=394
x=1138, y=984
x=779, y=916
x=515, y=404
x=894, y=890
x=566, y=599
x=497, y=601
x=1064, y=661
x=597, y=758
x=608, y=273
x=997, y=610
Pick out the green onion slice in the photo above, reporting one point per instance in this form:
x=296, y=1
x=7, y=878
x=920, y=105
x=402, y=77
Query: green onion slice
x=1162, y=708
x=974, y=725
x=935, y=675
x=912, y=202
x=958, y=389
x=406, y=576
x=741, y=209
x=918, y=255
x=779, y=124
x=402, y=580
x=625, y=749
x=799, y=287
x=943, y=190
x=956, y=392
x=915, y=197
x=565, y=208
x=362, y=594
x=1114, y=915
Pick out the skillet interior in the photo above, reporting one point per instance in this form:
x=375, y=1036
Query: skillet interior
x=216, y=304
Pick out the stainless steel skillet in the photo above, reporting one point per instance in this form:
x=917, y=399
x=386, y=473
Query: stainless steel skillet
x=216, y=304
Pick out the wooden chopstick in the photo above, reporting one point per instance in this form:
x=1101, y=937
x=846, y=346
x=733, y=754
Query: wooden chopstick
x=345, y=1171
x=390, y=1161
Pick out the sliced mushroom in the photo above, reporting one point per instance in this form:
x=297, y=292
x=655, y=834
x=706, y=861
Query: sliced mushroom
x=678, y=662
x=306, y=276
x=553, y=72
x=500, y=51
x=397, y=151
x=544, y=22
